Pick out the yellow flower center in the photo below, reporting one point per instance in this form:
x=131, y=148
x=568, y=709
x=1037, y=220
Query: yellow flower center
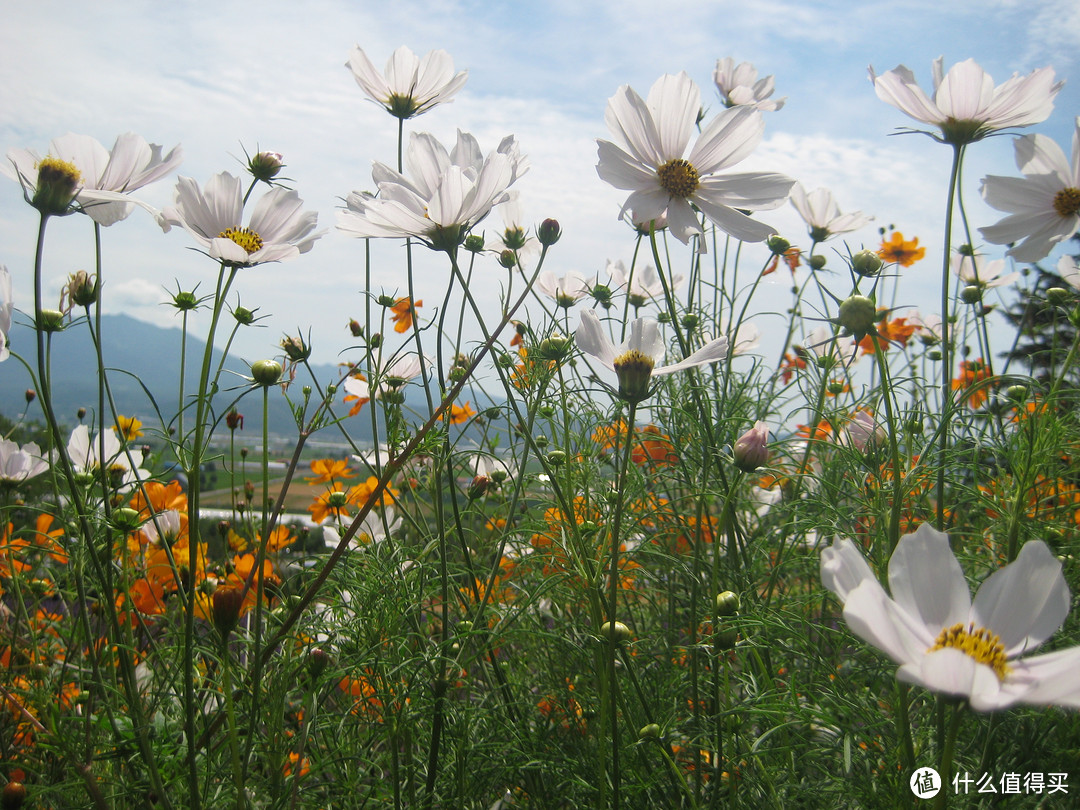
x=401, y=106
x=634, y=370
x=1067, y=202
x=54, y=169
x=982, y=645
x=244, y=237
x=678, y=178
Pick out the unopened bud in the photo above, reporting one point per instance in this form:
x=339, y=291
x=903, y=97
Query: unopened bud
x=317, y=662
x=295, y=348
x=508, y=259
x=751, y=450
x=549, y=232
x=514, y=238
x=226, y=604
x=866, y=263
x=355, y=328
x=244, y=316
x=649, y=732
x=778, y=245
x=1057, y=295
x=857, y=315
x=266, y=372
x=727, y=603
x=1017, y=393
x=556, y=458
x=82, y=288
x=971, y=294
x=126, y=519
x=474, y=243
x=52, y=320
x=31, y=395
x=185, y=301
x=817, y=261
x=615, y=632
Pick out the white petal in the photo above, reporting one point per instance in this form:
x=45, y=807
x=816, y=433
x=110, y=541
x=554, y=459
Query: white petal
x=591, y=339
x=1026, y=601
x=926, y=580
x=875, y=618
x=843, y=568
x=711, y=352
x=952, y=672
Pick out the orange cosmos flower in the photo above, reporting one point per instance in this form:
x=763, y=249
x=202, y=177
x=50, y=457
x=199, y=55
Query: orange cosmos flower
x=795, y=360
x=895, y=331
x=897, y=251
x=128, y=427
x=328, y=470
x=653, y=447
x=791, y=258
x=971, y=373
x=459, y=413
x=154, y=497
x=404, y=311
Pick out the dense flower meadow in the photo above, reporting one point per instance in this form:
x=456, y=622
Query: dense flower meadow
x=613, y=554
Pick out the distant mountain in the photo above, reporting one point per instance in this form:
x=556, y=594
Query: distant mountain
x=144, y=376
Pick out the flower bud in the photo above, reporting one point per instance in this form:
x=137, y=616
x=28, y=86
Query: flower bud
x=971, y=294
x=555, y=347
x=318, y=660
x=866, y=263
x=601, y=293
x=185, y=301
x=82, y=288
x=295, y=348
x=57, y=184
x=514, y=238
x=266, y=372
x=857, y=315
x=727, y=603
x=649, y=732
x=234, y=420
x=1017, y=393
x=751, y=450
x=30, y=395
x=126, y=519
x=615, y=632
x=778, y=245
x=81, y=413
x=549, y=232
x=337, y=499
x=478, y=487
x=13, y=796
x=393, y=397
x=817, y=261
x=508, y=259
x=355, y=328
x=244, y=316
x=52, y=320
x=541, y=441
x=556, y=458
x=835, y=387
x=265, y=166
x=226, y=603
x=690, y=320
x=934, y=354
x=1057, y=295
x=474, y=243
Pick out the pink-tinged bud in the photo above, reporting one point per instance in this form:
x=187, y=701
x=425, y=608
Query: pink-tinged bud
x=549, y=232
x=752, y=449
x=265, y=166
x=862, y=431
x=234, y=420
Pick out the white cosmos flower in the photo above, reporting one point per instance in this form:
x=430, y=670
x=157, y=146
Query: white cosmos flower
x=948, y=643
x=392, y=377
x=86, y=457
x=20, y=463
x=1066, y=268
x=565, y=291
x=823, y=343
x=739, y=85
x=1044, y=205
x=634, y=362
x=6, y=306
x=374, y=529
x=643, y=284
x=966, y=106
x=448, y=193
x=822, y=215
x=411, y=85
x=278, y=228
x=649, y=159
x=976, y=270
x=106, y=176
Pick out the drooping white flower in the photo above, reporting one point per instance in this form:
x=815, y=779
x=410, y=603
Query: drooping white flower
x=822, y=215
x=643, y=285
x=927, y=327
x=6, y=306
x=966, y=106
x=106, y=178
x=976, y=270
x=278, y=228
x=410, y=86
x=1043, y=206
x=88, y=455
x=448, y=193
x=740, y=86
x=948, y=643
x=841, y=348
x=634, y=361
x=565, y=291
x=17, y=463
x=650, y=160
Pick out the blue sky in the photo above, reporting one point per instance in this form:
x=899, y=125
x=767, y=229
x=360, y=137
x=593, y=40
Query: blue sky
x=220, y=76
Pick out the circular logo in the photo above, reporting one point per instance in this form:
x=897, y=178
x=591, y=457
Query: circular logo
x=925, y=783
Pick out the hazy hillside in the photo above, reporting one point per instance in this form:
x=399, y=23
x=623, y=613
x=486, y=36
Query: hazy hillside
x=145, y=381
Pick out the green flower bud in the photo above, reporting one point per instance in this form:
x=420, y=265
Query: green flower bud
x=727, y=603
x=615, y=632
x=857, y=315
x=295, y=348
x=244, y=316
x=1057, y=295
x=541, y=441
x=817, y=261
x=82, y=288
x=555, y=347
x=1017, y=393
x=185, y=301
x=971, y=294
x=474, y=243
x=508, y=259
x=866, y=263
x=514, y=238
x=265, y=166
x=126, y=519
x=556, y=458
x=778, y=245
x=649, y=732
x=266, y=372
x=690, y=320
x=52, y=320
